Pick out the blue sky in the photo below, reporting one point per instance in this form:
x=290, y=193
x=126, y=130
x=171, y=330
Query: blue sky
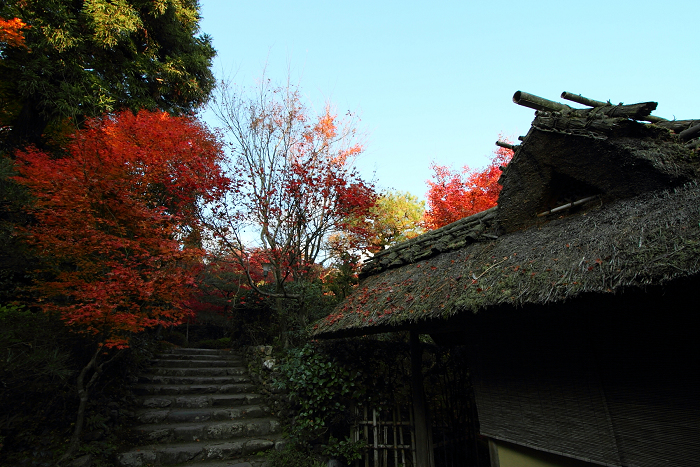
x=433, y=81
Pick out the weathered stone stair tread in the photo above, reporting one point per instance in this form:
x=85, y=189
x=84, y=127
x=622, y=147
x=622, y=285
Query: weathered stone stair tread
x=176, y=363
x=213, y=430
x=203, y=371
x=189, y=380
x=191, y=350
x=248, y=461
x=199, y=409
x=178, y=415
x=189, y=401
x=175, y=389
x=173, y=454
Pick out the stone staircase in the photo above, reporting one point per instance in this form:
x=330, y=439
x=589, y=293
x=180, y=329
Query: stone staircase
x=199, y=409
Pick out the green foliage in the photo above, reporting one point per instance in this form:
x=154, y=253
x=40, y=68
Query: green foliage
x=326, y=381
x=341, y=279
x=293, y=455
x=175, y=337
x=344, y=449
x=39, y=360
x=31, y=350
x=223, y=343
x=319, y=387
x=95, y=56
x=225, y=300
x=16, y=262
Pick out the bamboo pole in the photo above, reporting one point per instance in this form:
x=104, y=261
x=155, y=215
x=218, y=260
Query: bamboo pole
x=396, y=450
x=538, y=103
x=376, y=441
x=413, y=436
x=356, y=434
x=566, y=206
x=690, y=133
x=579, y=99
x=503, y=144
x=403, y=451
x=385, y=453
x=366, y=437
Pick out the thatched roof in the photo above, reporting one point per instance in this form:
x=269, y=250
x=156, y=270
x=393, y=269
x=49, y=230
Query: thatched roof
x=574, y=154
x=636, y=223
x=650, y=239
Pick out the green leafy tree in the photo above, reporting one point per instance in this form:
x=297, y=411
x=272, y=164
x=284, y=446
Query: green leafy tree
x=83, y=58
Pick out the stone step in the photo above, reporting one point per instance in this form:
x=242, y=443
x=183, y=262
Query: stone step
x=213, y=363
x=191, y=351
x=249, y=461
x=199, y=356
x=200, y=401
x=194, y=415
x=196, y=452
x=196, y=380
x=199, y=409
x=172, y=390
x=223, y=371
x=212, y=431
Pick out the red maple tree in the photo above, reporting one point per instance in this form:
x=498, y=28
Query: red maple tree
x=455, y=194
x=112, y=217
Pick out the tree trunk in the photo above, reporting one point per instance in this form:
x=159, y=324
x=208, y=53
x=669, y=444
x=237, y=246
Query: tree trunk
x=83, y=394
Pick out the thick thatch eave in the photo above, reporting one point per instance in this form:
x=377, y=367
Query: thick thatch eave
x=457, y=235
x=650, y=239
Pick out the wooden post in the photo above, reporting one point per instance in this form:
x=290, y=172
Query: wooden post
x=424, y=448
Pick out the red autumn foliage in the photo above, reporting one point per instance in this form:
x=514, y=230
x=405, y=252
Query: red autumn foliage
x=294, y=180
x=223, y=284
x=455, y=195
x=11, y=32
x=111, y=218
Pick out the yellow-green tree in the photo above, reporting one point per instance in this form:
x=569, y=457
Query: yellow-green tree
x=396, y=217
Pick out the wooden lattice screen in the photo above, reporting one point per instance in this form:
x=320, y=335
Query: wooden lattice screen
x=388, y=433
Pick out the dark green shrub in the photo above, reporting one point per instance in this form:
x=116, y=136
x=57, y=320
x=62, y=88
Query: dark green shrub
x=223, y=343
x=175, y=337
x=293, y=455
x=321, y=391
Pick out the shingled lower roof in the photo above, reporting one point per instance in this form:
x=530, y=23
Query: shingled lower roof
x=650, y=239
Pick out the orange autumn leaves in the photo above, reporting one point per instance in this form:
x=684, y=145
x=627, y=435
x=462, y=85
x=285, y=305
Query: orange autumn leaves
x=454, y=194
x=11, y=32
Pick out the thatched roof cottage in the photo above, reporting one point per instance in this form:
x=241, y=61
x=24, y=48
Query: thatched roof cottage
x=576, y=295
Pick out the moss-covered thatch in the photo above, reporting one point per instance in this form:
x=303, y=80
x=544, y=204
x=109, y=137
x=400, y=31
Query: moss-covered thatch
x=567, y=157
x=631, y=203
x=652, y=238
